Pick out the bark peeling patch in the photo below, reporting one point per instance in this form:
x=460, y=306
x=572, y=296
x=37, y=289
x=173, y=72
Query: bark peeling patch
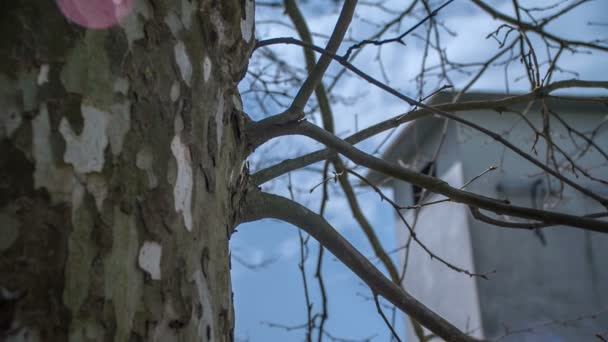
x=121, y=85
x=149, y=258
x=236, y=101
x=57, y=180
x=133, y=25
x=218, y=22
x=43, y=74
x=247, y=23
x=85, y=152
x=175, y=91
x=207, y=68
x=144, y=161
x=241, y=171
x=205, y=321
x=188, y=8
x=183, y=61
x=182, y=191
x=173, y=23
x=10, y=120
x=123, y=281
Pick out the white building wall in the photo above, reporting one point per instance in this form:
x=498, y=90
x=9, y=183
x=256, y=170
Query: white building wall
x=534, y=283
x=442, y=228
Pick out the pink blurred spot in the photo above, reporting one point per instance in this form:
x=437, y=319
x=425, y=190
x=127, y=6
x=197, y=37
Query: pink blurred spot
x=95, y=14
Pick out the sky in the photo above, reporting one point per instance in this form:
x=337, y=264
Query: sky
x=275, y=292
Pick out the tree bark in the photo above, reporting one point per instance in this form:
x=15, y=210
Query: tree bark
x=121, y=168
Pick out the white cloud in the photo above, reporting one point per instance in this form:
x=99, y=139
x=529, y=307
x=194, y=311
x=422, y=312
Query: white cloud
x=289, y=248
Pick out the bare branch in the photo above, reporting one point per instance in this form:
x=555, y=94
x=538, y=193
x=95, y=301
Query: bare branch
x=328, y=123
x=291, y=8
x=437, y=185
x=260, y=205
x=367, y=228
x=315, y=76
x=520, y=225
x=399, y=38
x=386, y=321
x=288, y=165
x=268, y=127
x=535, y=28
x=413, y=234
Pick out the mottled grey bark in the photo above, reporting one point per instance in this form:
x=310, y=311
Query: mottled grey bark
x=121, y=160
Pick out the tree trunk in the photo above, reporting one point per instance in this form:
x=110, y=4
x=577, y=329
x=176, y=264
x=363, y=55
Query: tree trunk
x=121, y=160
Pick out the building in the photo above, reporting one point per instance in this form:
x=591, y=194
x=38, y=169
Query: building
x=541, y=280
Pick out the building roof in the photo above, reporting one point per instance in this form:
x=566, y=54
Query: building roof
x=426, y=129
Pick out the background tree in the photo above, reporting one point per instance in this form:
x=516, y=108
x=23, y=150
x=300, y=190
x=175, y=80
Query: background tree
x=124, y=144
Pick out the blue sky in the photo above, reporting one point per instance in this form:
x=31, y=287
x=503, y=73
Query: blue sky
x=274, y=293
